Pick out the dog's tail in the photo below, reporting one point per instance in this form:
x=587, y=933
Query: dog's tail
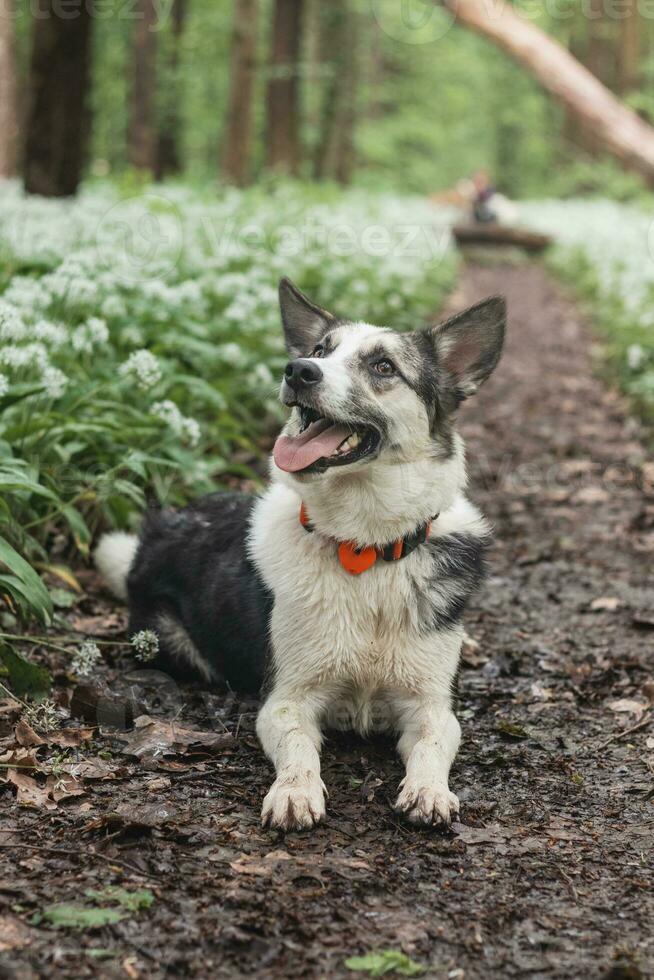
x=113, y=558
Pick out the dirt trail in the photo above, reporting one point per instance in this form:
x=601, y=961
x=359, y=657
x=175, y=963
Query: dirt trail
x=550, y=874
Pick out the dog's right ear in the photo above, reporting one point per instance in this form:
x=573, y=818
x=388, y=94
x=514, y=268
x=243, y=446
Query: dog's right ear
x=304, y=322
x=468, y=346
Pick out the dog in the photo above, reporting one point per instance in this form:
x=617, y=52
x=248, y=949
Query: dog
x=340, y=590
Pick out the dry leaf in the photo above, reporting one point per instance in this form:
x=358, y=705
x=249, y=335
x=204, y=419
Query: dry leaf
x=26, y=736
x=494, y=834
x=248, y=864
x=629, y=706
x=60, y=787
x=14, y=934
x=605, y=603
x=590, y=495
x=29, y=792
x=153, y=737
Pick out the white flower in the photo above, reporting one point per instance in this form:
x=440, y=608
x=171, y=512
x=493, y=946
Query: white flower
x=263, y=375
x=635, y=356
x=232, y=354
x=186, y=428
x=86, y=659
x=43, y=716
x=144, y=367
x=145, y=644
x=191, y=431
x=27, y=356
x=4, y=384
x=55, y=382
x=132, y=336
x=53, y=334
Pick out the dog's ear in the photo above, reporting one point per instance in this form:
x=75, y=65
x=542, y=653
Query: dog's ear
x=468, y=346
x=304, y=322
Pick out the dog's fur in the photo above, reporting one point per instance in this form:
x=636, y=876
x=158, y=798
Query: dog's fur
x=236, y=587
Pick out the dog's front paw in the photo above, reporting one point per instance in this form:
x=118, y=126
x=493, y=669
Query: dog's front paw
x=296, y=804
x=429, y=805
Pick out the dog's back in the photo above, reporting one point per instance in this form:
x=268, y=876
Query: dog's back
x=189, y=580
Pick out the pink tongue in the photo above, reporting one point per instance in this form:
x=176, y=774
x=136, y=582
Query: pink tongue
x=293, y=453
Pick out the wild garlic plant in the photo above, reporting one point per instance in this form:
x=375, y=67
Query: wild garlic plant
x=140, y=343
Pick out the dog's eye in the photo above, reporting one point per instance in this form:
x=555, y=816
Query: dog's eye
x=318, y=351
x=385, y=367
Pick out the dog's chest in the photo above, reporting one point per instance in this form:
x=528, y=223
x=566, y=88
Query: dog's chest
x=359, y=629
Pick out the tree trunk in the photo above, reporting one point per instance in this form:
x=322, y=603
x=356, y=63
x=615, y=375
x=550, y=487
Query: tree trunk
x=283, y=93
x=619, y=130
x=8, y=92
x=629, y=48
x=141, y=132
x=169, y=155
x=238, y=128
x=335, y=151
x=57, y=119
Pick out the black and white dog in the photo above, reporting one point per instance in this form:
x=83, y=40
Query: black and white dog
x=343, y=584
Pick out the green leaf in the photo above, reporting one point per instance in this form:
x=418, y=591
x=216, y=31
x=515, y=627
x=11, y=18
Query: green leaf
x=33, y=588
x=22, y=676
x=133, y=901
x=65, y=916
x=511, y=730
x=63, y=598
x=380, y=962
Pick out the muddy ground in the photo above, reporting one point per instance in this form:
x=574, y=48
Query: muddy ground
x=549, y=873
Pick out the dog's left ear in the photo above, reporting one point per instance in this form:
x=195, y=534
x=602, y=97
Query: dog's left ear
x=304, y=322
x=468, y=346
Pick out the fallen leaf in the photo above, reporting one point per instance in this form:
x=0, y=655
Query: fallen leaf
x=606, y=603
x=70, y=916
x=380, y=962
x=151, y=815
x=161, y=782
x=133, y=901
x=26, y=736
x=29, y=792
x=19, y=758
x=629, y=706
x=14, y=933
x=590, y=495
x=248, y=864
x=512, y=730
x=153, y=737
x=492, y=834
x=60, y=787
x=94, y=769
x=70, y=738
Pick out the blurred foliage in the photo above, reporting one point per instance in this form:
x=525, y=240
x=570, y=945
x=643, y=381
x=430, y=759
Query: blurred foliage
x=140, y=342
x=433, y=103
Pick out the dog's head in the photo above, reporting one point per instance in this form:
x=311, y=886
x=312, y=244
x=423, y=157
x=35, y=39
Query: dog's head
x=361, y=392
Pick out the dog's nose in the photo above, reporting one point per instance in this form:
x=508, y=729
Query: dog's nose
x=302, y=373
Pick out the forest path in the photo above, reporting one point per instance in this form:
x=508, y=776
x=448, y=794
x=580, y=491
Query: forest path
x=549, y=873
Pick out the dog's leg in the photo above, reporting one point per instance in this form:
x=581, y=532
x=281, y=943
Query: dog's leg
x=289, y=731
x=429, y=742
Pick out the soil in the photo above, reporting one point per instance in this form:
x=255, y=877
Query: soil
x=549, y=872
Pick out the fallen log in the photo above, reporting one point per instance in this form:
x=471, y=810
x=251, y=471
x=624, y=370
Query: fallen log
x=496, y=234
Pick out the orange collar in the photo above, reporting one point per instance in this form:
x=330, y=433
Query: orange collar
x=357, y=560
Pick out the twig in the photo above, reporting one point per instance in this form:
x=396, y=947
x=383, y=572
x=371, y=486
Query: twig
x=61, y=852
x=628, y=731
x=12, y=695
